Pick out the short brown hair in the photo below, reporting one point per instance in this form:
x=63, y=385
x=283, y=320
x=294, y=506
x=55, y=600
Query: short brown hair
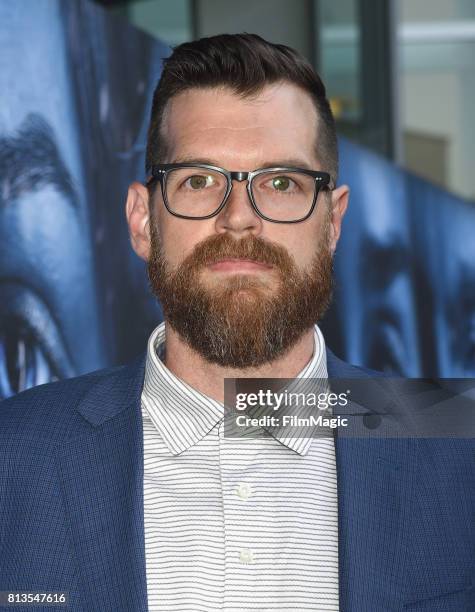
x=245, y=63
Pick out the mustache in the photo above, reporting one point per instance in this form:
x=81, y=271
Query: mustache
x=223, y=246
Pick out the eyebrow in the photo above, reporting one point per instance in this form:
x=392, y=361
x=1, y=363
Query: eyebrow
x=30, y=160
x=279, y=163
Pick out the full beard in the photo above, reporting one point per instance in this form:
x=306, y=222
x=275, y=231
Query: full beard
x=243, y=321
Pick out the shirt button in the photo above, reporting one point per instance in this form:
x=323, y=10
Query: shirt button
x=244, y=490
x=246, y=556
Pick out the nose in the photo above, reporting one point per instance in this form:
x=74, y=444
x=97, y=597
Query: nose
x=238, y=216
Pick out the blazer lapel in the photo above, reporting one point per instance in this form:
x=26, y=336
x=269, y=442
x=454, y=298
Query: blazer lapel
x=101, y=474
x=375, y=479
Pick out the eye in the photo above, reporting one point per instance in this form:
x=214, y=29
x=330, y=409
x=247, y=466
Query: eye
x=23, y=362
x=199, y=181
x=32, y=347
x=281, y=183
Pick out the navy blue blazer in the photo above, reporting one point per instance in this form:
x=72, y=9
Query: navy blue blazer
x=71, y=504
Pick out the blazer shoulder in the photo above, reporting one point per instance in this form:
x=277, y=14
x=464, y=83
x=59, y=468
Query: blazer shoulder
x=48, y=410
x=337, y=368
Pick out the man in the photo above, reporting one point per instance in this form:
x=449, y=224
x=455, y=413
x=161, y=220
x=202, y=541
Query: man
x=48, y=282
x=446, y=279
x=40, y=316
x=381, y=327
x=120, y=487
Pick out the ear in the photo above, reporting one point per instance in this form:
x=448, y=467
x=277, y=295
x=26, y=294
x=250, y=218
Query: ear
x=339, y=203
x=138, y=219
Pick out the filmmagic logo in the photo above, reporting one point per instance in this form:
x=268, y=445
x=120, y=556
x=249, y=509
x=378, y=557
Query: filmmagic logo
x=291, y=420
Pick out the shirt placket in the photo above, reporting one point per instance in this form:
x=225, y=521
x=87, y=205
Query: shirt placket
x=241, y=559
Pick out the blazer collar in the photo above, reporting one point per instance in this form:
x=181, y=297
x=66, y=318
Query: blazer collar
x=120, y=387
x=115, y=390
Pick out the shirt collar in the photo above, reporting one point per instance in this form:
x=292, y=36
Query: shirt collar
x=183, y=415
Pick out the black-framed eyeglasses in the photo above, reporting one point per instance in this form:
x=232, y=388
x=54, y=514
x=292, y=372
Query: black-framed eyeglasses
x=200, y=191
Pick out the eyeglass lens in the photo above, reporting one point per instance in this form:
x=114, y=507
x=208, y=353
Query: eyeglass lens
x=199, y=192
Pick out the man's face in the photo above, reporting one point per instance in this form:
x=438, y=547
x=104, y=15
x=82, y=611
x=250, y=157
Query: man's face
x=49, y=317
x=376, y=302
x=45, y=275
x=449, y=255
x=249, y=310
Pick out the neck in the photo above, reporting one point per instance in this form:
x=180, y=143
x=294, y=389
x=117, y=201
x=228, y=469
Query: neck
x=208, y=378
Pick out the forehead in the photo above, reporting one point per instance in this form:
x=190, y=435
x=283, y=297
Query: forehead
x=278, y=123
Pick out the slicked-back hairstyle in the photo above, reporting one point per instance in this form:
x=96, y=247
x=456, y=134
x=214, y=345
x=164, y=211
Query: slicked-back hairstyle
x=245, y=63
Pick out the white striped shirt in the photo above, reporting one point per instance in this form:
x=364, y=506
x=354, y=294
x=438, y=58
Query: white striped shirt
x=233, y=524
